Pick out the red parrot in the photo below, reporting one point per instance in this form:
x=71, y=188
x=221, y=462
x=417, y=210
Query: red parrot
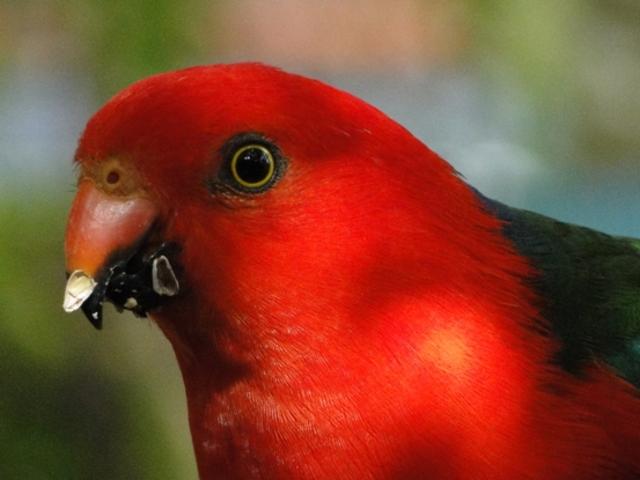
x=341, y=303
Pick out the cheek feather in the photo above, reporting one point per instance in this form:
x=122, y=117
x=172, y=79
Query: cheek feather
x=448, y=349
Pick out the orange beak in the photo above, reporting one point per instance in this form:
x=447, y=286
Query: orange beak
x=103, y=234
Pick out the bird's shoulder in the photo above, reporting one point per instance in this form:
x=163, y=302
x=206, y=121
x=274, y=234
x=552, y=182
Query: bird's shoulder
x=588, y=284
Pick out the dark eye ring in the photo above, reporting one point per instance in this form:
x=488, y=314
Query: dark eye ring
x=252, y=166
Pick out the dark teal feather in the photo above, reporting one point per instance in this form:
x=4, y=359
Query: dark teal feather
x=589, y=286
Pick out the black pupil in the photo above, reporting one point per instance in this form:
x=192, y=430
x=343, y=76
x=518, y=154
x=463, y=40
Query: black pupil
x=253, y=165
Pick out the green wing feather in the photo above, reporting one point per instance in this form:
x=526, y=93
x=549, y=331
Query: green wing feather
x=589, y=283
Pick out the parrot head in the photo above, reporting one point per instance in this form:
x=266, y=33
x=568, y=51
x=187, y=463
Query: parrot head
x=240, y=190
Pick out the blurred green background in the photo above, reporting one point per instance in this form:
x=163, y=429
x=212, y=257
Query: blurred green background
x=535, y=103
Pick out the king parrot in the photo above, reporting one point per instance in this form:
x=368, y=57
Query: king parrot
x=342, y=305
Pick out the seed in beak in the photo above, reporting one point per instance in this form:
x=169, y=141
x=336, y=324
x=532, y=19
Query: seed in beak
x=131, y=303
x=80, y=286
x=163, y=278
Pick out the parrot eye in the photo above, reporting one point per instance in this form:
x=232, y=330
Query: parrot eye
x=251, y=164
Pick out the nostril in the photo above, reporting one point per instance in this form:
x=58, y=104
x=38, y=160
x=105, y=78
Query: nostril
x=113, y=177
